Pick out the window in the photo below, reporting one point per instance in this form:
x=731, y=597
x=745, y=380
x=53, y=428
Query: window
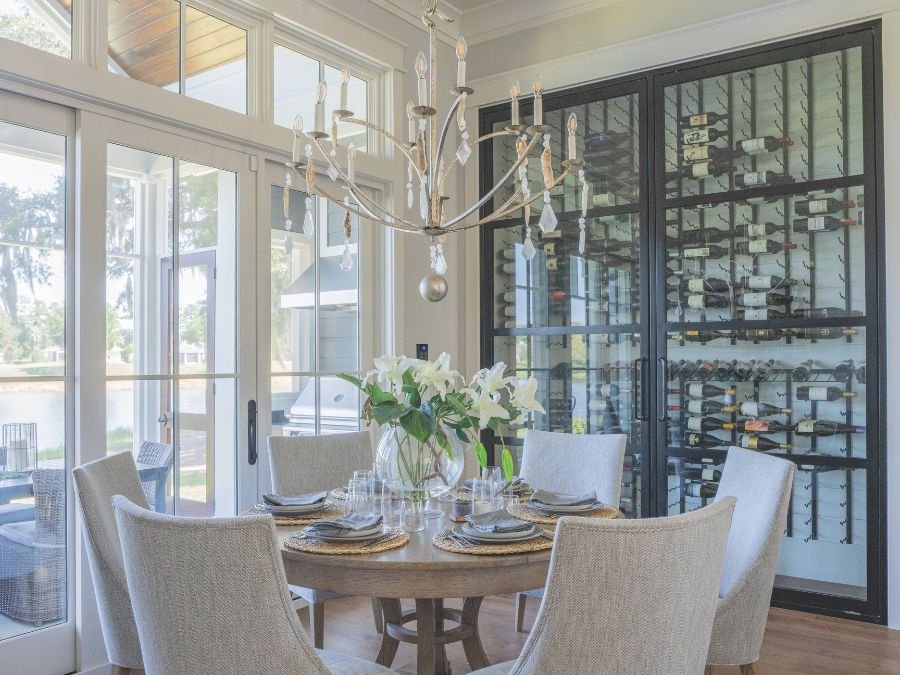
x=296, y=79
x=44, y=24
x=145, y=41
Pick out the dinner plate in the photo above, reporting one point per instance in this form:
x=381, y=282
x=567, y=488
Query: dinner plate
x=480, y=537
x=364, y=535
x=574, y=508
x=470, y=532
x=294, y=510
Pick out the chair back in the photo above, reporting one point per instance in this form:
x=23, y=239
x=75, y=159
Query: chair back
x=95, y=484
x=310, y=463
x=152, y=453
x=629, y=597
x=762, y=486
x=575, y=463
x=210, y=595
x=49, y=507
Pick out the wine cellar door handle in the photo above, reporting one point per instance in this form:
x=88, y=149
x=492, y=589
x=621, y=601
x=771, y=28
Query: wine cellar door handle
x=638, y=399
x=662, y=371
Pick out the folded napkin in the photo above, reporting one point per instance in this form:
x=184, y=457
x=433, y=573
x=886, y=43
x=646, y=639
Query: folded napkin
x=300, y=500
x=549, y=498
x=498, y=522
x=339, y=527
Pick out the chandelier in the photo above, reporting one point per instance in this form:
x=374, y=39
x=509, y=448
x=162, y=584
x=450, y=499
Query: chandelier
x=428, y=169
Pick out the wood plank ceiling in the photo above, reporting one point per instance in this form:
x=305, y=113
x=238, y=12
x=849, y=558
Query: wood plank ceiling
x=143, y=40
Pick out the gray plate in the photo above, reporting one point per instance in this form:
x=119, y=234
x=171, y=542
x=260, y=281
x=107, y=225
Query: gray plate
x=536, y=533
x=350, y=538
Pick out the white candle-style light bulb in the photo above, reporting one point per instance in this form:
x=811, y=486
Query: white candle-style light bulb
x=538, y=103
x=412, y=121
x=461, y=49
x=572, y=126
x=321, y=94
x=514, y=92
x=345, y=81
x=298, y=139
x=421, y=69
x=351, y=155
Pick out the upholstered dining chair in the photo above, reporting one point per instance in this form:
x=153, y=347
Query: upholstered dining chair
x=762, y=485
x=95, y=484
x=301, y=464
x=628, y=597
x=573, y=463
x=210, y=596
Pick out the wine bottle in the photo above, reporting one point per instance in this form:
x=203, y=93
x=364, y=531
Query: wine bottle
x=763, y=368
x=702, y=472
x=705, y=370
x=700, y=170
x=609, y=245
x=754, y=146
x=821, y=224
x=506, y=296
x=608, y=390
x=702, y=440
x=757, y=409
x=843, y=371
x=701, y=490
x=743, y=369
x=757, y=229
x=697, y=406
x=822, y=333
x=756, y=426
x=699, y=336
x=701, y=285
x=703, y=119
x=761, y=282
x=825, y=313
x=711, y=251
x=802, y=371
x=701, y=153
x=688, y=370
x=763, y=299
x=703, y=235
x=754, y=442
x=507, y=268
x=759, y=334
x=702, y=301
x=704, y=424
x=754, y=246
x=861, y=374
x=758, y=178
x=708, y=391
x=701, y=136
x=508, y=311
x=811, y=427
x=723, y=371
x=806, y=393
x=766, y=314
x=812, y=207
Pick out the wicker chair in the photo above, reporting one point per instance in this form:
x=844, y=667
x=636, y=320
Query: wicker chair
x=33, y=555
x=156, y=454
x=573, y=463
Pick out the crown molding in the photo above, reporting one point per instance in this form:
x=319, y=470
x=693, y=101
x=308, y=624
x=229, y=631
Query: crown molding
x=408, y=10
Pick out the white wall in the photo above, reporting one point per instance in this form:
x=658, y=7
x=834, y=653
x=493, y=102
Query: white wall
x=546, y=52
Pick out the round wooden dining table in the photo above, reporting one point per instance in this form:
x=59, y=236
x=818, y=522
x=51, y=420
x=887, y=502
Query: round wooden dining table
x=422, y=572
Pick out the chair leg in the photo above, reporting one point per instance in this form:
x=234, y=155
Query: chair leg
x=119, y=670
x=521, y=599
x=747, y=669
x=303, y=615
x=318, y=613
x=377, y=615
x=707, y=670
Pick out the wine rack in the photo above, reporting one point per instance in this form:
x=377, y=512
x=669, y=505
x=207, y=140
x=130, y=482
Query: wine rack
x=727, y=293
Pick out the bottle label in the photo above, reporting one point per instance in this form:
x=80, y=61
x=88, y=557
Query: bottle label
x=695, y=423
x=695, y=406
x=695, y=390
x=754, y=299
x=695, y=285
x=602, y=199
x=757, y=246
x=759, y=281
x=756, y=230
x=750, y=409
x=698, y=120
x=817, y=206
x=756, y=315
x=606, y=390
x=748, y=441
x=702, y=252
x=806, y=426
x=815, y=224
x=753, y=145
x=695, y=136
x=551, y=263
x=693, y=439
x=696, y=153
x=755, y=178
x=818, y=393
x=700, y=170
x=759, y=426
x=708, y=474
x=696, y=301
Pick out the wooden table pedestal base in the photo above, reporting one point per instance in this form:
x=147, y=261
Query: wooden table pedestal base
x=430, y=636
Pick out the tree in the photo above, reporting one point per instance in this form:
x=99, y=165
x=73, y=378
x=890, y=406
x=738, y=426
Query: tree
x=29, y=30
x=193, y=323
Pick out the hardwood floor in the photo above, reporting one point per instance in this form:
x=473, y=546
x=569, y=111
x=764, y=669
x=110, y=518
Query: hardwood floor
x=795, y=642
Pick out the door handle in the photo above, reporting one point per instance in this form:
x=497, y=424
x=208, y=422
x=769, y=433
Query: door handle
x=662, y=370
x=638, y=403
x=252, y=454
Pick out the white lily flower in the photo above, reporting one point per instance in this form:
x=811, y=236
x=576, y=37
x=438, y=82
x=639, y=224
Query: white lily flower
x=486, y=407
x=389, y=370
x=523, y=395
x=491, y=380
x=436, y=374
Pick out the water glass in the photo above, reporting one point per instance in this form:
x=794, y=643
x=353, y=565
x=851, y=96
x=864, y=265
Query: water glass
x=369, y=478
x=358, y=497
x=412, y=515
x=494, y=474
x=482, y=495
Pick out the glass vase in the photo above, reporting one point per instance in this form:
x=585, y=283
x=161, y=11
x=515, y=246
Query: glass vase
x=418, y=469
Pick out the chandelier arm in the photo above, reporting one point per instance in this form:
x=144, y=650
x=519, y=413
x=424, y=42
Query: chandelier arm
x=453, y=162
x=477, y=205
x=400, y=145
x=357, y=212
x=443, y=138
x=354, y=190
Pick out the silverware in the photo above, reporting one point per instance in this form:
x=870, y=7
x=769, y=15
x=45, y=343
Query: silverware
x=390, y=536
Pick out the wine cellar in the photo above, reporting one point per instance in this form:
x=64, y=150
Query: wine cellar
x=722, y=285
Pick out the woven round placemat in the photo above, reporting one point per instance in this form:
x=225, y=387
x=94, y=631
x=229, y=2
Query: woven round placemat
x=529, y=546
x=307, y=545
x=330, y=511
x=535, y=516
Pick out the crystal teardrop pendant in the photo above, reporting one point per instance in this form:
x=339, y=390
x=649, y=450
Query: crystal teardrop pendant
x=346, y=259
x=464, y=151
x=410, y=199
x=332, y=172
x=423, y=201
x=528, y=249
x=581, y=236
x=308, y=227
x=440, y=262
x=548, y=221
